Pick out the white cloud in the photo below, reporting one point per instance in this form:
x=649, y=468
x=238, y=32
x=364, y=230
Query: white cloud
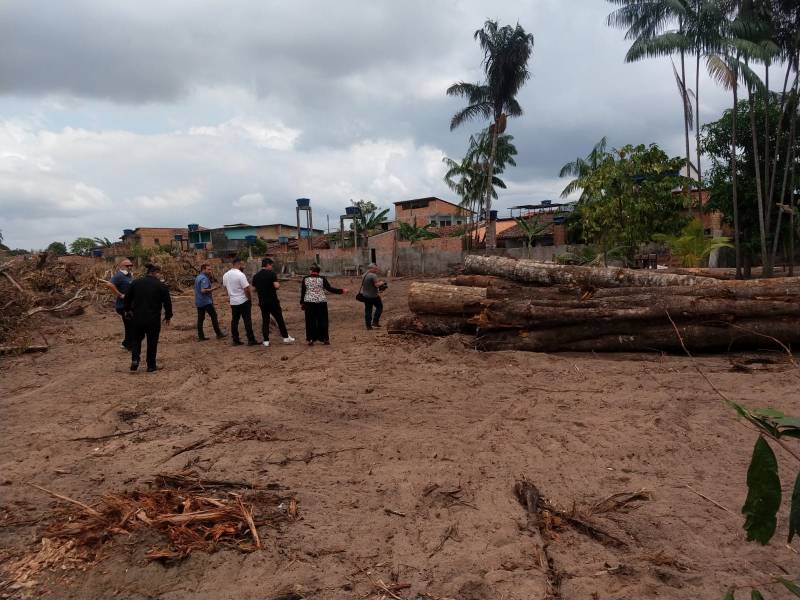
x=254, y=200
x=101, y=182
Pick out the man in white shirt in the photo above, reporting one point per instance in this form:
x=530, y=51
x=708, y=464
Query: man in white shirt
x=238, y=288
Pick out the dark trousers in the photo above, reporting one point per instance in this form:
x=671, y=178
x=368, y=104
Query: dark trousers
x=316, y=321
x=275, y=311
x=369, y=303
x=151, y=331
x=242, y=311
x=201, y=317
x=128, y=325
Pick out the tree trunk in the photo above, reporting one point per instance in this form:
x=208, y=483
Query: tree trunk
x=525, y=314
x=736, y=241
x=429, y=325
x=647, y=337
x=436, y=299
x=697, y=120
x=491, y=237
x=686, y=115
x=528, y=271
x=790, y=144
x=765, y=265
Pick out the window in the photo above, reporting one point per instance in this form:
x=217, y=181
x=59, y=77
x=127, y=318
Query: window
x=445, y=223
x=372, y=256
x=156, y=242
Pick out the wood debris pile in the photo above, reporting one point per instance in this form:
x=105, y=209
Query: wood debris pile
x=188, y=513
x=526, y=305
x=42, y=283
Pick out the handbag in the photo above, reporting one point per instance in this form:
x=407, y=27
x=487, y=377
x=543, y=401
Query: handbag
x=359, y=296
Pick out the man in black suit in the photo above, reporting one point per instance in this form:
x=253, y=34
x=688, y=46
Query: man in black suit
x=143, y=303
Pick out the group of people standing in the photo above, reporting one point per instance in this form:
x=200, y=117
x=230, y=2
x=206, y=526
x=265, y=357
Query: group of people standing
x=140, y=302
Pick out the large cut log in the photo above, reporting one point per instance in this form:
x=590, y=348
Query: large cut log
x=645, y=337
x=429, y=325
x=522, y=314
x=529, y=271
x=436, y=299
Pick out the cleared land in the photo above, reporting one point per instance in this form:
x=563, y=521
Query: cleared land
x=443, y=434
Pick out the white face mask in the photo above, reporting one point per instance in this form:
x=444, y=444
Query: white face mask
x=124, y=271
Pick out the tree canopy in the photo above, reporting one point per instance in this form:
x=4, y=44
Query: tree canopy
x=630, y=196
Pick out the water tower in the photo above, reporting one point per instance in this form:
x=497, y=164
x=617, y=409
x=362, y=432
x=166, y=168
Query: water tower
x=304, y=205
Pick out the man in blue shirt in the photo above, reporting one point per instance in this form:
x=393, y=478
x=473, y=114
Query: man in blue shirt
x=119, y=284
x=205, y=303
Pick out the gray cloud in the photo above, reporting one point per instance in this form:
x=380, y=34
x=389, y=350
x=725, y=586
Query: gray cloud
x=182, y=108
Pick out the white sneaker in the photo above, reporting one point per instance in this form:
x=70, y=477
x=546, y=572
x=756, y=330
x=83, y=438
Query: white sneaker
x=265, y=343
x=288, y=340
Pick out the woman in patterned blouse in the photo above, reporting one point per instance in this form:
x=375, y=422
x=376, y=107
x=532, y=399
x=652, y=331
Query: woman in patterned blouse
x=315, y=305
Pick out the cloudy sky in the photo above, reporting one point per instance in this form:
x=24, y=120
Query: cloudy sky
x=141, y=113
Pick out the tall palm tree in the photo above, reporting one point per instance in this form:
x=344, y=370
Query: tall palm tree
x=580, y=168
x=660, y=28
x=466, y=177
x=728, y=67
x=506, y=52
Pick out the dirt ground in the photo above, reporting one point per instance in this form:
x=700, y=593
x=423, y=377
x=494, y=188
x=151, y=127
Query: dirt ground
x=444, y=433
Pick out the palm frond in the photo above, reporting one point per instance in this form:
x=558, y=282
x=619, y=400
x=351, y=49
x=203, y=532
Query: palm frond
x=688, y=111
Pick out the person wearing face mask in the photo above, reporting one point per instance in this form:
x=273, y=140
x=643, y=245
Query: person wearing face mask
x=119, y=284
x=143, y=303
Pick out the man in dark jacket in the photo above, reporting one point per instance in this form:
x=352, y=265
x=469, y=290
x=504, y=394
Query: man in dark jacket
x=266, y=284
x=143, y=303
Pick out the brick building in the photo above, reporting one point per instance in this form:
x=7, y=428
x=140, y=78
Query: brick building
x=153, y=237
x=430, y=211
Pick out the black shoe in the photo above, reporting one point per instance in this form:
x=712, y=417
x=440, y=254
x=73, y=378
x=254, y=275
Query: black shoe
x=369, y=327
x=221, y=335
x=134, y=365
x=152, y=369
x=310, y=342
x=125, y=346
x=327, y=343
x=202, y=339
x=252, y=343
x=236, y=343
x=378, y=325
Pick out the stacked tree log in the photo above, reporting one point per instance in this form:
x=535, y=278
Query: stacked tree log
x=526, y=305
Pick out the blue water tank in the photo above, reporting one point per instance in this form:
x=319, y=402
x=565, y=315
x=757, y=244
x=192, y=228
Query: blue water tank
x=178, y=237
x=200, y=245
x=352, y=210
x=492, y=215
x=303, y=202
x=192, y=227
x=97, y=252
x=251, y=239
x=127, y=232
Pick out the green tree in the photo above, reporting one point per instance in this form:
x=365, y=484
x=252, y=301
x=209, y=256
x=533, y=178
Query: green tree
x=466, y=177
x=103, y=242
x=691, y=245
x=82, y=246
x=717, y=139
x=57, y=248
x=629, y=197
x=506, y=52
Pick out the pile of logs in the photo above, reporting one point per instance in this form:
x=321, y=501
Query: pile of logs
x=526, y=305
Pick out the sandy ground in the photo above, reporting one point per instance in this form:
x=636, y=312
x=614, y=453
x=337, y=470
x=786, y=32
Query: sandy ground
x=427, y=413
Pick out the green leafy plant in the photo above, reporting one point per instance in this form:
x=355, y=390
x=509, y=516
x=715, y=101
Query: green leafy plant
x=531, y=228
x=692, y=246
x=412, y=234
x=764, y=495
